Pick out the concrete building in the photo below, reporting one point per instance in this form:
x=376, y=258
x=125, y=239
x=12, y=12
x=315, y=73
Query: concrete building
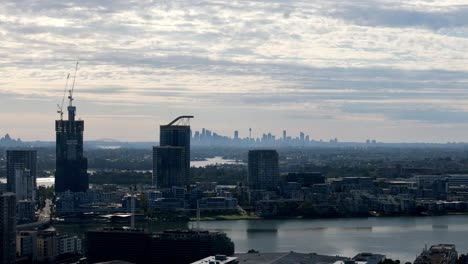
x=7, y=227
x=217, y=203
x=68, y=245
x=26, y=245
x=153, y=195
x=286, y=258
x=457, y=179
x=46, y=246
x=177, y=134
x=438, y=254
x=426, y=181
x=167, y=204
x=178, y=192
x=263, y=169
x=369, y=258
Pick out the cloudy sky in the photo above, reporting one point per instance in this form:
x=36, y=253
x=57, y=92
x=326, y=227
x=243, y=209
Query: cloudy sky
x=393, y=70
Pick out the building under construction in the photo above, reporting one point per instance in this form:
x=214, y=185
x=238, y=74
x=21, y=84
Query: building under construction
x=71, y=165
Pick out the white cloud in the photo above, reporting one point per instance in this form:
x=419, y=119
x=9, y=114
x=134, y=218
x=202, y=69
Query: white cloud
x=281, y=58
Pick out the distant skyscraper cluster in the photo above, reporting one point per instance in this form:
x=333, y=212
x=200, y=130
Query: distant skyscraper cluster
x=207, y=137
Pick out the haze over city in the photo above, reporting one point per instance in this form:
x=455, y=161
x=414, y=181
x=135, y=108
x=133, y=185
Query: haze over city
x=391, y=70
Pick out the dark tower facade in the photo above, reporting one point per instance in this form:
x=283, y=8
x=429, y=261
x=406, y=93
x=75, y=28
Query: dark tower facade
x=71, y=166
x=263, y=169
x=7, y=227
x=168, y=166
x=22, y=173
x=178, y=135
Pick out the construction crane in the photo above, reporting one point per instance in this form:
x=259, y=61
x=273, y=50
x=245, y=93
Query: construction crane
x=60, y=106
x=70, y=96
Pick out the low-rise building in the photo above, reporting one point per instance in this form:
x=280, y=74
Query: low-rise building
x=26, y=245
x=68, y=244
x=369, y=258
x=438, y=254
x=217, y=203
x=167, y=204
x=46, y=246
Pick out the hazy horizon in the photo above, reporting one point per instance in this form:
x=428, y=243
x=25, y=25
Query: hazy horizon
x=389, y=70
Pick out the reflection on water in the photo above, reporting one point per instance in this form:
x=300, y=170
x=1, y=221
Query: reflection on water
x=213, y=161
x=401, y=238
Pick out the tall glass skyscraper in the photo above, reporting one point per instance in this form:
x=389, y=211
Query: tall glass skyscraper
x=71, y=166
x=178, y=135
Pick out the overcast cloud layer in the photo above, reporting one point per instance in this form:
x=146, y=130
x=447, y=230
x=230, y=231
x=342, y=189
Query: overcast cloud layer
x=392, y=70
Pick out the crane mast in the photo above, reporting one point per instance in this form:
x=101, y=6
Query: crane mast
x=60, y=106
x=70, y=96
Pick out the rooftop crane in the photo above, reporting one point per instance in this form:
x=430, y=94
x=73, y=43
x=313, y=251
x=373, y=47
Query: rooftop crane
x=70, y=96
x=60, y=106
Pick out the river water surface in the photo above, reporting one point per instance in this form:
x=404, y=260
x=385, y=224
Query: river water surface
x=398, y=238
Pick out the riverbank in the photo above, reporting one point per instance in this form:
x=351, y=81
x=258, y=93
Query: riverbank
x=227, y=217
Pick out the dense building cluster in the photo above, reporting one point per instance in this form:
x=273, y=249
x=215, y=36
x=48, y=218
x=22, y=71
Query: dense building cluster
x=206, y=137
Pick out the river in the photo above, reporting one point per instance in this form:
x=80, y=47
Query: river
x=213, y=161
x=397, y=237
x=46, y=182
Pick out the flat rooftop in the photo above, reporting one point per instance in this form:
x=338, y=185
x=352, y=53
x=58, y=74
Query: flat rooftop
x=286, y=258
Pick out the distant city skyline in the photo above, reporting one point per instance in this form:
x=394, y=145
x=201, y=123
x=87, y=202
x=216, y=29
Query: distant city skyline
x=392, y=70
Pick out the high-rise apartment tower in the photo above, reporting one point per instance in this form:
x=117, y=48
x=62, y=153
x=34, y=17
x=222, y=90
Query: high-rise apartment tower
x=263, y=169
x=21, y=173
x=177, y=134
x=7, y=227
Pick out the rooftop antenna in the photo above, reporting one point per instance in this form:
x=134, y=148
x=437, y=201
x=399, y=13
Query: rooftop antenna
x=70, y=96
x=60, y=106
